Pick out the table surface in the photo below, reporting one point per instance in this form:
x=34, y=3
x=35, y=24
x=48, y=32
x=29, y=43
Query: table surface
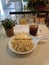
x=40, y=56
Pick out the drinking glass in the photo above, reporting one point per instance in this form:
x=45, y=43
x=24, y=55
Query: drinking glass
x=33, y=28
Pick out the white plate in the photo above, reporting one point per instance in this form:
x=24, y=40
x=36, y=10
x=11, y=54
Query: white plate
x=35, y=40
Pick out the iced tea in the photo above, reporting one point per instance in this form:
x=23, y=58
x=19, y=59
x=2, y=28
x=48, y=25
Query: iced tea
x=33, y=29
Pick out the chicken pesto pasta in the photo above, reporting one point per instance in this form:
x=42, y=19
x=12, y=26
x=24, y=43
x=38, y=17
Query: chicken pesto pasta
x=21, y=43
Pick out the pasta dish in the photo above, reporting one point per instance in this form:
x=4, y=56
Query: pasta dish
x=22, y=42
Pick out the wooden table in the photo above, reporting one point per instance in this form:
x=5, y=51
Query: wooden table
x=40, y=56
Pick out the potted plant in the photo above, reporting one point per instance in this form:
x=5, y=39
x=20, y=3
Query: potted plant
x=31, y=7
x=8, y=26
x=37, y=5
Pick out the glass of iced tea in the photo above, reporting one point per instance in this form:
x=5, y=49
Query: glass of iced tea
x=33, y=28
